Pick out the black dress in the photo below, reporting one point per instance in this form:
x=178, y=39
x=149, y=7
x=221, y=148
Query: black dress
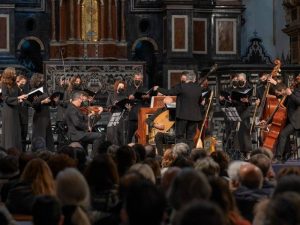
x=117, y=126
x=11, y=128
x=41, y=123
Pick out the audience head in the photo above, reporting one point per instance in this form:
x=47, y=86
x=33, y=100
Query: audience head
x=285, y=171
x=187, y=186
x=222, y=158
x=101, y=173
x=207, y=166
x=73, y=193
x=222, y=195
x=59, y=162
x=38, y=173
x=167, y=159
x=262, y=162
x=140, y=152
x=168, y=177
x=180, y=149
x=145, y=170
x=251, y=176
x=150, y=151
x=201, y=212
x=112, y=151
x=144, y=204
x=127, y=181
x=125, y=158
x=233, y=173
x=9, y=166
x=198, y=153
x=46, y=211
x=283, y=209
x=288, y=183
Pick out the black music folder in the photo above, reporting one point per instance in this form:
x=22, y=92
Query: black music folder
x=138, y=95
x=89, y=92
x=33, y=94
x=238, y=94
x=122, y=103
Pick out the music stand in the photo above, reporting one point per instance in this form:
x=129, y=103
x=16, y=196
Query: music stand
x=172, y=111
x=232, y=114
x=234, y=120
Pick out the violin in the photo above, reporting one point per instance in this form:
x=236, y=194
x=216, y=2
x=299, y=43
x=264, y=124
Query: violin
x=91, y=109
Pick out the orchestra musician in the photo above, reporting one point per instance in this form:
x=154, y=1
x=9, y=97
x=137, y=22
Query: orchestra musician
x=116, y=127
x=188, y=109
x=77, y=117
x=12, y=97
x=161, y=137
x=21, y=81
x=293, y=121
x=41, y=123
x=133, y=88
x=62, y=105
x=239, y=84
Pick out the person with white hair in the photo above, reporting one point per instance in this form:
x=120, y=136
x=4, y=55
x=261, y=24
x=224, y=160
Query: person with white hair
x=188, y=109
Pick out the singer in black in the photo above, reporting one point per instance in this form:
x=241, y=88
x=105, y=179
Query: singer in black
x=138, y=93
x=293, y=121
x=12, y=97
x=41, y=123
x=242, y=104
x=23, y=109
x=77, y=120
x=188, y=108
x=116, y=128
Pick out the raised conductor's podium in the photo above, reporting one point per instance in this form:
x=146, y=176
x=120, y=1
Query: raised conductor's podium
x=144, y=113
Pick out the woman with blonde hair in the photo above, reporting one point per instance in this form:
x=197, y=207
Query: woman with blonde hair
x=12, y=97
x=35, y=180
x=74, y=195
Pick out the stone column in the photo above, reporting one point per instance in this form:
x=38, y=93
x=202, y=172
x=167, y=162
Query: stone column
x=78, y=21
x=117, y=20
x=123, y=35
x=62, y=29
x=109, y=20
x=53, y=28
x=71, y=20
x=102, y=22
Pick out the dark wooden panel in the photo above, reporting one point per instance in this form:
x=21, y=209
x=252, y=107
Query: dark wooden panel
x=199, y=36
x=179, y=33
x=3, y=33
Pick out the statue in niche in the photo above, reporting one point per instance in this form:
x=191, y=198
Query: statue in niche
x=89, y=20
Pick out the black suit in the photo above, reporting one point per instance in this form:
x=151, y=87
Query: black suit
x=293, y=122
x=188, y=110
x=77, y=124
x=133, y=114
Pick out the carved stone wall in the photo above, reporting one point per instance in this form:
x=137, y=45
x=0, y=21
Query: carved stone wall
x=96, y=76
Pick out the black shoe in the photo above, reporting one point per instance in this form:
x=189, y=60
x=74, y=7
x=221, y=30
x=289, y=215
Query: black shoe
x=286, y=156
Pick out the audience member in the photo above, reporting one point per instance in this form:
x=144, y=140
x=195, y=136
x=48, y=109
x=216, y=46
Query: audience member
x=222, y=158
x=187, y=186
x=207, y=166
x=74, y=195
x=201, y=212
x=47, y=211
x=35, y=180
x=144, y=204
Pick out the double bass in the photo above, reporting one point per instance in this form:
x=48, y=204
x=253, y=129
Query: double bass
x=275, y=116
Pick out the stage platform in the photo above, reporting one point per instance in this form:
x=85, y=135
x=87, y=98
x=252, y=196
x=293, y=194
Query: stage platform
x=289, y=163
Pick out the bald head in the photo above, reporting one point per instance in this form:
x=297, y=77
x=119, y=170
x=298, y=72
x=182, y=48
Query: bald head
x=250, y=176
x=168, y=100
